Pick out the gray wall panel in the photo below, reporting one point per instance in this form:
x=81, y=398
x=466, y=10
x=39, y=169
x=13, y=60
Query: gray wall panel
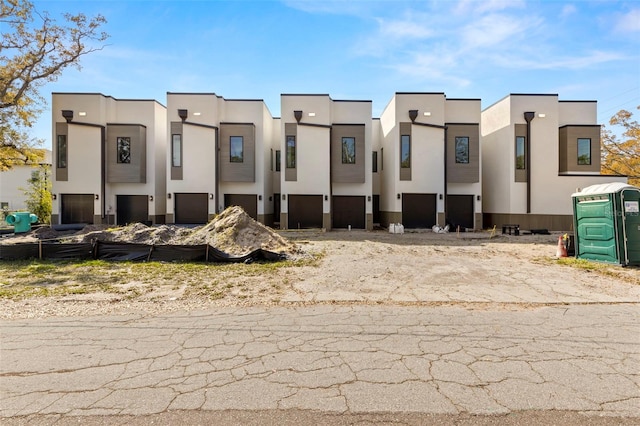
x=347, y=173
x=246, y=170
x=463, y=172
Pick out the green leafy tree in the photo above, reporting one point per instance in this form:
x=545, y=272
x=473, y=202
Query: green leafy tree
x=622, y=156
x=34, y=50
x=38, y=194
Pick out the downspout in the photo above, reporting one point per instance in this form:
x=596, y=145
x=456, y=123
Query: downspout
x=528, y=116
x=445, y=174
x=217, y=174
x=103, y=174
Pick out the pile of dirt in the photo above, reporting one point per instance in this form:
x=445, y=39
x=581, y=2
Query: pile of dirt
x=233, y=231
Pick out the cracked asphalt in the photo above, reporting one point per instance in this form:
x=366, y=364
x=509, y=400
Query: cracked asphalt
x=330, y=364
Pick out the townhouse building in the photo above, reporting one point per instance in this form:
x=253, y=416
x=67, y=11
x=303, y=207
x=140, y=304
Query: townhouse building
x=108, y=159
x=430, y=171
x=326, y=170
x=537, y=151
x=221, y=154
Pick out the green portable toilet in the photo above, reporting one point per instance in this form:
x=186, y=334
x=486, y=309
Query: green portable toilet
x=606, y=219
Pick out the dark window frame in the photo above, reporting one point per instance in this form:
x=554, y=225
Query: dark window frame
x=521, y=141
x=582, y=162
x=291, y=152
x=381, y=159
x=176, y=153
x=346, y=141
x=232, y=158
x=374, y=161
x=61, y=151
x=459, y=139
x=123, y=156
x=278, y=160
x=405, y=163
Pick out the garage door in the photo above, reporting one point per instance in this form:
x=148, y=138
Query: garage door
x=132, y=209
x=191, y=208
x=348, y=210
x=77, y=208
x=249, y=202
x=305, y=211
x=460, y=211
x=418, y=210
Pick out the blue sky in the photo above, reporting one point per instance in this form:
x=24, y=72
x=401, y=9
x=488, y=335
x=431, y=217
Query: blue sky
x=357, y=49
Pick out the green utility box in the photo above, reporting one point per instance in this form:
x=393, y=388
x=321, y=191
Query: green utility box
x=607, y=222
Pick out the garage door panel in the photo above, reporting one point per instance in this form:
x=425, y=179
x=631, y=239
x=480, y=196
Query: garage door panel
x=132, y=209
x=248, y=202
x=418, y=210
x=460, y=211
x=305, y=211
x=77, y=208
x=191, y=208
x=348, y=211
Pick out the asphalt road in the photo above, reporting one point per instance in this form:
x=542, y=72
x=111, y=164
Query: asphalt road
x=572, y=364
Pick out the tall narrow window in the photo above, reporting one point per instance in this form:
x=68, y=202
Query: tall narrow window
x=405, y=151
x=62, y=151
x=236, y=149
x=374, y=161
x=381, y=159
x=123, y=150
x=278, y=159
x=584, y=151
x=520, y=153
x=462, y=150
x=271, y=159
x=348, y=150
x=176, y=151
x=291, y=152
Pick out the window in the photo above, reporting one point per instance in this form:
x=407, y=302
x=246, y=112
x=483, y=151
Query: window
x=381, y=159
x=462, y=150
x=405, y=151
x=520, y=153
x=236, y=149
x=62, y=151
x=123, y=153
x=291, y=152
x=176, y=151
x=584, y=151
x=271, y=159
x=278, y=159
x=374, y=161
x=348, y=150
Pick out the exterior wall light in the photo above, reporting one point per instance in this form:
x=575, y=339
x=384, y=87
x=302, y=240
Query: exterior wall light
x=398, y=196
x=67, y=114
x=326, y=198
x=259, y=197
x=284, y=196
x=168, y=196
x=150, y=197
x=312, y=114
x=427, y=114
x=82, y=113
x=97, y=197
x=440, y=196
x=54, y=196
x=368, y=197
x=542, y=115
x=211, y=196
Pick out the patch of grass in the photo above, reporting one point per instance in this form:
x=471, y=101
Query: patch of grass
x=631, y=275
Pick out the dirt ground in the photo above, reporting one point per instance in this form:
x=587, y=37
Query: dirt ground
x=468, y=269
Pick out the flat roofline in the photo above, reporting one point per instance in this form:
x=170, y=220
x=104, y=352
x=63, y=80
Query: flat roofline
x=305, y=94
x=464, y=99
x=420, y=93
x=579, y=101
x=519, y=94
x=351, y=100
x=107, y=96
x=194, y=93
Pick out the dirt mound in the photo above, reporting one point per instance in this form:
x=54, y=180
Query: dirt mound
x=233, y=231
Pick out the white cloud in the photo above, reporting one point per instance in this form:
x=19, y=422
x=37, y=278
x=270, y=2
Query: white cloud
x=333, y=7
x=496, y=29
x=568, y=10
x=478, y=7
x=572, y=63
x=434, y=67
x=404, y=29
x=629, y=22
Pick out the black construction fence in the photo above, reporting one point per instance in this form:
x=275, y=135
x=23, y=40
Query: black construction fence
x=117, y=251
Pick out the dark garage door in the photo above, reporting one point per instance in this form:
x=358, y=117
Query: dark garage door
x=132, y=209
x=248, y=202
x=77, y=208
x=305, y=211
x=460, y=211
x=348, y=210
x=418, y=210
x=191, y=208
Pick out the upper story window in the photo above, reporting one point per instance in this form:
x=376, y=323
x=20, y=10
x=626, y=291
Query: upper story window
x=381, y=159
x=584, y=151
x=348, y=150
x=520, y=153
x=462, y=149
x=405, y=151
x=291, y=152
x=176, y=150
x=62, y=151
x=278, y=159
x=374, y=161
x=236, y=150
x=123, y=150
